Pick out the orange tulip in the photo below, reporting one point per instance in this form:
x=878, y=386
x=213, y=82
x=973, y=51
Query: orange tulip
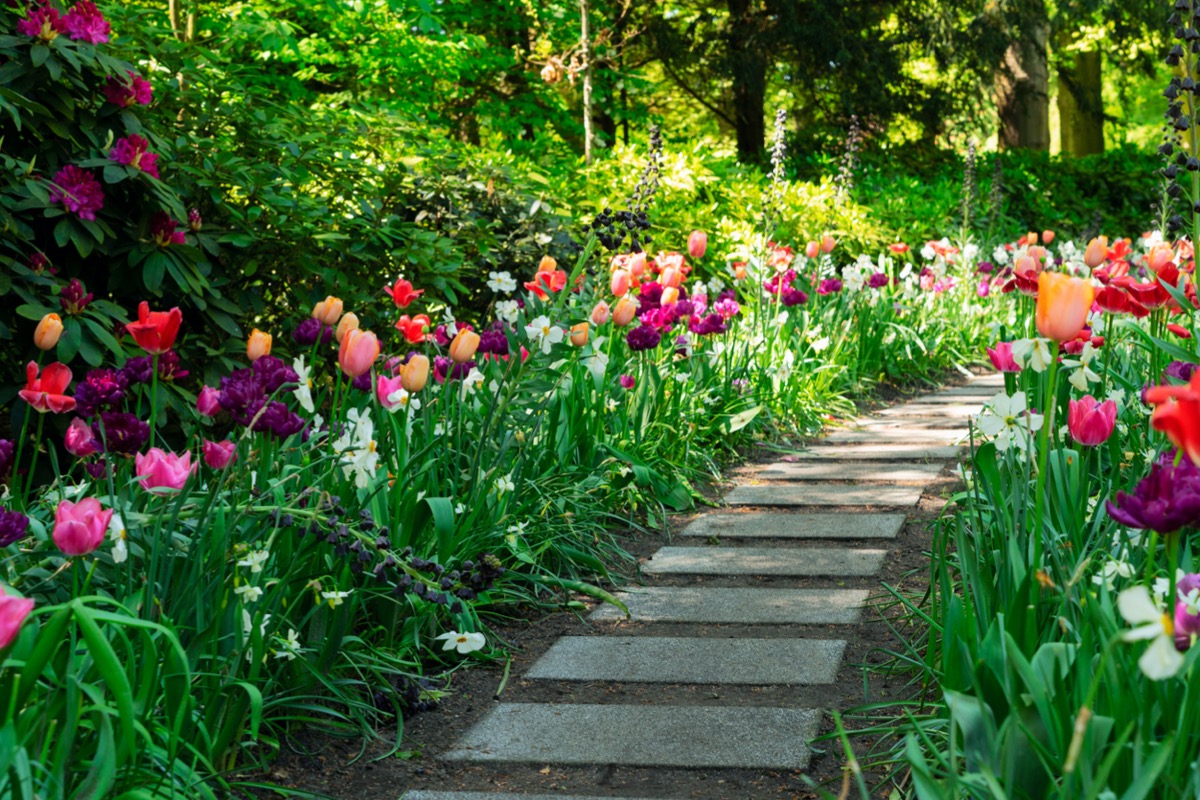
x=48, y=331
x=1031, y=237
x=464, y=346
x=828, y=243
x=671, y=277
x=348, y=323
x=1097, y=252
x=579, y=334
x=415, y=374
x=1063, y=304
x=329, y=311
x=624, y=312
x=1047, y=237
x=547, y=264
x=1160, y=256
x=812, y=249
x=600, y=313
x=739, y=270
x=670, y=295
x=358, y=352
x=258, y=345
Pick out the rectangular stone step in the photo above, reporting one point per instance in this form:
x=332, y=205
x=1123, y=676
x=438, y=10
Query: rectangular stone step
x=896, y=472
x=910, y=423
x=806, y=562
x=715, y=606
x=421, y=794
x=796, y=526
x=824, y=494
x=927, y=436
x=670, y=659
x=880, y=452
x=916, y=410
x=642, y=736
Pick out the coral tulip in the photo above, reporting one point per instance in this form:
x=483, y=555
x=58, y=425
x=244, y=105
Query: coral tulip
x=621, y=280
x=415, y=374
x=600, y=313
x=1027, y=264
x=1062, y=306
x=348, y=323
x=162, y=472
x=579, y=334
x=546, y=281
x=155, y=331
x=328, y=311
x=1177, y=414
x=402, y=293
x=697, y=244
x=1097, y=252
x=208, y=402
x=1091, y=422
x=48, y=332
x=899, y=248
x=414, y=328
x=1160, y=256
x=1002, y=357
x=79, y=440
x=672, y=277
x=812, y=249
x=623, y=313
x=637, y=264
x=48, y=392
x=1047, y=237
x=463, y=348
x=13, y=611
x=828, y=243
x=219, y=455
x=358, y=352
x=258, y=345
x=79, y=528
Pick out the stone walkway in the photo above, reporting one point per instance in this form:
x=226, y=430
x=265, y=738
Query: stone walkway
x=873, y=472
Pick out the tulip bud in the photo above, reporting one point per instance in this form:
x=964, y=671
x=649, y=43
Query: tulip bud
x=1047, y=237
x=80, y=441
x=1097, y=251
x=547, y=264
x=358, y=352
x=328, y=311
x=671, y=277
x=48, y=332
x=348, y=323
x=624, y=312
x=670, y=295
x=637, y=264
x=1160, y=256
x=208, y=402
x=600, y=313
x=415, y=374
x=258, y=345
x=579, y=334
x=812, y=249
x=828, y=243
x=620, y=282
x=219, y=455
x=1031, y=237
x=697, y=244
x=463, y=347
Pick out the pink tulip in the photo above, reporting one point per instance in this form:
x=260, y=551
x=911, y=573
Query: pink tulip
x=219, y=455
x=79, y=441
x=620, y=282
x=385, y=387
x=697, y=244
x=671, y=277
x=828, y=243
x=984, y=289
x=1090, y=421
x=1002, y=357
x=627, y=382
x=162, y=472
x=637, y=263
x=812, y=249
x=208, y=402
x=600, y=313
x=358, y=352
x=79, y=528
x=13, y=611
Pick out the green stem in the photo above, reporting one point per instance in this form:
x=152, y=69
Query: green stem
x=154, y=400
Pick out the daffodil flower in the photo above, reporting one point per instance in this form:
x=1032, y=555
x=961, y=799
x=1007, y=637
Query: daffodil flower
x=1008, y=421
x=542, y=333
x=1032, y=353
x=1161, y=660
x=462, y=642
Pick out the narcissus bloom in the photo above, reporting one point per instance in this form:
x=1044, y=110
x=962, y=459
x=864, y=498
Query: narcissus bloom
x=79, y=528
x=162, y=472
x=462, y=642
x=13, y=611
x=155, y=331
x=1062, y=306
x=48, y=332
x=1002, y=357
x=1009, y=422
x=403, y=293
x=358, y=352
x=48, y=392
x=1161, y=659
x=1091, y=422
x=543, y=334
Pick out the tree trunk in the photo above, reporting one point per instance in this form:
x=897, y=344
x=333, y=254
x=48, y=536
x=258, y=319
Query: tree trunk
x=748, y=65
x=586, y=48
x=1023, y=89
x=1080, y=105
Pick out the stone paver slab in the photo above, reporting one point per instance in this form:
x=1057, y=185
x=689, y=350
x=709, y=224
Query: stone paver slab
x=916, y=410
x=824, y=494
x=642, y=736
x=978, y=398
x=910, y=423
x=420, y=794
x=670, y=659
x=796, y=526
x=929, y=436
x=896, y=472
x=880, y=452
x=716, y=606
x=803, y=562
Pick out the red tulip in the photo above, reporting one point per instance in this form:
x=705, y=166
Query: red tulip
x=1091, y=422
x=1177, y=414
x=48, y=393
x=402, y=293
x=358, y=352
x=413, y=328
x=155, y=331
x=899, y=248
x=79, y=528
x=546, y=281
x=1179, y=330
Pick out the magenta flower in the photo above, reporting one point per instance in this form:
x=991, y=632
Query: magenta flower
x=1165, y=500
x=79, y=440
x=208, y=402
x=133, y=151
x=43, y=23
x=727, y=307
x=878, y=280
x=162, y=472
x=74, y=298
x=627, y=382
x=123, y=94
x=643, y=337
x=165, y=231
x=219, y=455
x=86, y=23
x=79, y=528
x=13, y=611
x=830, y=286
x=78, y=191
x=1187, y=623
x=1002, y=357
x=1090, y=421
x=13, y=527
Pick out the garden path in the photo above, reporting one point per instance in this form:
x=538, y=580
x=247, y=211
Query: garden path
x=855, y=492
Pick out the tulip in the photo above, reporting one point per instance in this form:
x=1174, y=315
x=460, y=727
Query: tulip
x=155, y=331
x=208, y=402
x=162, y=472
x=13, y=611
x=1031, y=237
x=600, y=313
x=671, y=277
x=812, y=249
x=1160, y=256
x=1091, y=422
x=579, y=334
x=621, y=279
x=828, y=243
x=627, y=382
x=899, y=248
x=258, y=345
x=402, y=293
x=1177, y=414
x=547, y=264
x=463, y=348
x=415, y=374
x=1047, y=237
x=48, y=332
x=358, y=352
x=79, y=528
x=79, y=440
x=1097, y=252
x=219, y=455
x=414, y=328
x=349, y=323
x=1027, y=264
x=1002, y=357
x=1063, y=304
x=48, y=392
x=385, y=387
x=1179, y=330
x=328, y=311
x=697, y=244
x=739, y=270
x=637, y=264
x=623, y=313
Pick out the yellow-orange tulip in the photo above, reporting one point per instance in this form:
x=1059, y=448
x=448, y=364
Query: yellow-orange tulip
x=258, y=345
x=48, y=332
x=1097, y=251
x=547, y=264
x=358, y=352
x=415, y=374
x=600, y=313
x=1063, y=304
x=624, y=312
x=329, y=311
x=464, y=346
x=669, y=295
x=348, y=323
x=579, y=334
x=1160, y=256
x=1031, y=237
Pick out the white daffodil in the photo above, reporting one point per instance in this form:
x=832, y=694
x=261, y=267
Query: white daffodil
x=1111, y=571
x=1032, y=353
x=1161, y=586
x=1082, y=374
x=402, y=400
x=359, y=456
x=542, y=333
x=505, y=484
x=254, y=560
x=1000, y=255
x=249, y=593
x=1161, y=660
x=334, y=599
x=1007, y=421
x=508, y=310
x=289, y=648
x=462, y=642
x=303, y=390
x=501, y=282
x=473, y=382
x=116, y=529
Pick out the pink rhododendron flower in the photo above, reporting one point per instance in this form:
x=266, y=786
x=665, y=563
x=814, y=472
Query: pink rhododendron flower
x=133, y=151
x=165, y=231
x=162, y=472
x=123, y=94
x=13, y=611
x=1090, y=421
x=219, y=455
x=43, y=23
x=86, y=23
x=79, y=528
x=78, y=190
